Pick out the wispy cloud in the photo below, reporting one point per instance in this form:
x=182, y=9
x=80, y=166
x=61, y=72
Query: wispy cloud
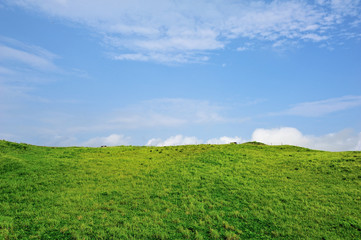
x=323, y=107
x=174, y=140
x=26, y=61
x=169, y=112
x=168, y=58
x=25, y=67
x=187, y=31
x=22, y=67
x=25, y=109
x=6, y=71
x=65, y=127
x=13, y=52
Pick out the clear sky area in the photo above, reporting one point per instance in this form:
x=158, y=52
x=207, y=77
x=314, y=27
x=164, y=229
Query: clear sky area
x=166, y=72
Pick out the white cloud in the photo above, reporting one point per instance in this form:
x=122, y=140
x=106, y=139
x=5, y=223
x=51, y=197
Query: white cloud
x=183, y=140
x=277, y=136
x=111, y=140
x=166, y=30
x=323, y=107
x=167, y=58
x=314, y=37
x=133, y=57
x=345, y=7
x=225, y=140
x=64, y=128
x=344, y=140
x=240, y=49
x=174, y=140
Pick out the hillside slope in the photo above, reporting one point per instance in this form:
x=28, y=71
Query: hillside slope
x=182, y=192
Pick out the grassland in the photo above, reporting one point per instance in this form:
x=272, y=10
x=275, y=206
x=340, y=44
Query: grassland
x=246, y=191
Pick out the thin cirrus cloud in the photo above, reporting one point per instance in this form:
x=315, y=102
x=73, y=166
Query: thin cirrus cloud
x=323, y=107
x=21, y=55
x=22, y=67
x=170, y=31
x=169, y=112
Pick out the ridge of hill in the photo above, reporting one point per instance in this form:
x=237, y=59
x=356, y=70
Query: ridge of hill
x=233, y=191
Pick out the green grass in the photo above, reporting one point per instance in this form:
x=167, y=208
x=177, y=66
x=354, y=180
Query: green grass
x=244, y=191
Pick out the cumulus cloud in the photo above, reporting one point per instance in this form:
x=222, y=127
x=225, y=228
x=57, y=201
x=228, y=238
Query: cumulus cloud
x=111, y=140
x=174, y=140
x=323, y=107
x=345, y=140
x=277, y=136
x=186, y=31
x=225, y=140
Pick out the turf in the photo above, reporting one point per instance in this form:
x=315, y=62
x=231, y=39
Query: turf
x=234, y=191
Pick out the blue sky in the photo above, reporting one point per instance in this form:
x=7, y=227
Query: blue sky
x=89, y=73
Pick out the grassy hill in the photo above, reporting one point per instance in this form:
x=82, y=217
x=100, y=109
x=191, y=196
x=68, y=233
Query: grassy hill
x=246, y=191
